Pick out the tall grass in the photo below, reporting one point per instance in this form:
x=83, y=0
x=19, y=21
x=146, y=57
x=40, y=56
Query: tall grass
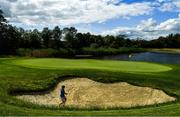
x=110, y=51
x=40, y=53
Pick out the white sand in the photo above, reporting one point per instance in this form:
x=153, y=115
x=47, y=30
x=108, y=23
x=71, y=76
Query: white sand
x=83, y=92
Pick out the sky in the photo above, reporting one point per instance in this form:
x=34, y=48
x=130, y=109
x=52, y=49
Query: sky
x=146, y=19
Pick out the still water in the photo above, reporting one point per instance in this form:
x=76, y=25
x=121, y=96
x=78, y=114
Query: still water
x=147, y=56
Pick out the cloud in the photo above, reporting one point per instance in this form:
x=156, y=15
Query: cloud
x=177, y=4
x=172, y=25
x=68, y=12
x=169, y=5
x=148, y=29
x=147, y=25
x=5, y=6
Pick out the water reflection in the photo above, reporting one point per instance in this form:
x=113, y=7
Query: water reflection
x=147, y=56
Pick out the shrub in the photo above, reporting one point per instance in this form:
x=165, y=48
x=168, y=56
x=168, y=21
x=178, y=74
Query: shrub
x=40, y=53
x=23, y=52
x=94, y=45
x=110, y=51
x=64, y=52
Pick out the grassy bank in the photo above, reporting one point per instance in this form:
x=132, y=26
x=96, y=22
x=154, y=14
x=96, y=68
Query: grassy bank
x=165, y=50
x=17, y=74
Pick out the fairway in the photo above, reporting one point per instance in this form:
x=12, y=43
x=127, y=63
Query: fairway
x=124, y=66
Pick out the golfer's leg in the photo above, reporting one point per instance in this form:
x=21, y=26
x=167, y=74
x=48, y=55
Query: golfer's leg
x=63, y=101
x=60, y=103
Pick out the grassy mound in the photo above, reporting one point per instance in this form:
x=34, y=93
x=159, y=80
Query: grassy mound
x=124, y=66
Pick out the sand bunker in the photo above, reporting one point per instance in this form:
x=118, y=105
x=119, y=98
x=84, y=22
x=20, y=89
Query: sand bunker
x=83, y=92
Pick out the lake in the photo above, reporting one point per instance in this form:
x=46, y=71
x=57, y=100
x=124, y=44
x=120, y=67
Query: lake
x=147, y=56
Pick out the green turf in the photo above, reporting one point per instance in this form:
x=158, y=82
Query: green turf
x=17, y=74
x=123, y=66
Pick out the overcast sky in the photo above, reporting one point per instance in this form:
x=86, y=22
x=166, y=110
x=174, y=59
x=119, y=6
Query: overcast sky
x=136, y=18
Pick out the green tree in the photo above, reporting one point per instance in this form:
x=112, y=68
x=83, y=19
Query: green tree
x=70, y=37
x=9, y=39
x=35, y=39
x=2, y=19
x=57, y=36
x=46, y=35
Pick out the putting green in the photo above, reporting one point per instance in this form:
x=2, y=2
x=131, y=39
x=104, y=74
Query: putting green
x=123, y=66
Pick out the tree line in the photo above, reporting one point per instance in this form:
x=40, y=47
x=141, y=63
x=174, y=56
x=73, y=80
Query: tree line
x=68, y=40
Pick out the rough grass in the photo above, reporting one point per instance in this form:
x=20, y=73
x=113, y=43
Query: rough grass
x=15, y=78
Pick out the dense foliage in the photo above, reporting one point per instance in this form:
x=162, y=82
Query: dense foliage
x=68, y=41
